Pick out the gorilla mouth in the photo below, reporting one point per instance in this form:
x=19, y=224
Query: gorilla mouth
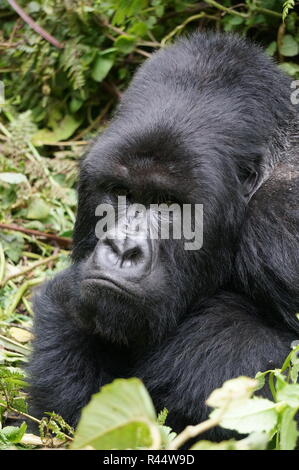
x=110, y=283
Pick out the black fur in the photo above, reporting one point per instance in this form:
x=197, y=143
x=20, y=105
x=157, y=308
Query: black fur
x=211, y=121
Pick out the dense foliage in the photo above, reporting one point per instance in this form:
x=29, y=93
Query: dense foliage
x=61, y=84
x=100, y=43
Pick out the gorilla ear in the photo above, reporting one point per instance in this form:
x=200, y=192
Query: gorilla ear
x=253, y=181
x=251, y=184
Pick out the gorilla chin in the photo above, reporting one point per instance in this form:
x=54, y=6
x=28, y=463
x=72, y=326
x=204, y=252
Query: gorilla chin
x=119, y=313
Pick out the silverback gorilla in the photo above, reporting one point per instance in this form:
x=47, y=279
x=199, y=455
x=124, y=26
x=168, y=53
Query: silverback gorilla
x=207, y=121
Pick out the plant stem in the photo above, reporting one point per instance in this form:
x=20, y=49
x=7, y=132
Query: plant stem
x=192, y=431
x=30, y=268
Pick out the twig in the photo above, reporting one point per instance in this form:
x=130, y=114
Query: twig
x=226, y=9
x=67, y=143
x=19, y=294
x=38, y=29
x=112, y=88
x=2, y=263
x=280, y=35
x=141, y=52
x=16, y=325
x=64, y=241
x=95, y=122
x=119, y=31
x=30, y=268
x=15, y=346
x=27, y=306
x=182, y=25
x=192, y=431
x=266, y=11
x=7, y=406
x=14, y=30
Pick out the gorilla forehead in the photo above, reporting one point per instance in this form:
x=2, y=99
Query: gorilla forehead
x=192, y=105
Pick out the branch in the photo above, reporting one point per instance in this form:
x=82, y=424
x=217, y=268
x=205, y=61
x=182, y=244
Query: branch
x=7, y=406
x=63, y=241
x=192, y=431
x=212, y=3
x=30, y=268
x=38, y=29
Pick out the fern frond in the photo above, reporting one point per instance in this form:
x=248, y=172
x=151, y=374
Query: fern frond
x=71, y=63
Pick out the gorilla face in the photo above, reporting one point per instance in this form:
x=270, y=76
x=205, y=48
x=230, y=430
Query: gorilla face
x=135, y=284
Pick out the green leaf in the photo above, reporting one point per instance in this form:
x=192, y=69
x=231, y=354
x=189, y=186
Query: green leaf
x=63, y=130
x=240, y=388
x=247, y=416
x=12, y=434
x=231, y=22
x=139, y=29
x=290, y=394
x=38, y=209
x=272, y=48
x=290, y=68
x=289, y=46
x=75, y=104
x=120, y=416
x=288, y=5
x=125, y=44
x=208, y=445
x=101, y=68
x=288, y=430
x=13, y=178
x=13, y=245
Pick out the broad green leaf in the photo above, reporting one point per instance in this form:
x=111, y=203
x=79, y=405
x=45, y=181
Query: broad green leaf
x=13, y=434
x=289, y=46
x=120, y=416
x=255, y=441
x=13, y=178
x=290, y=68
x=63, y=130
x=125, y=44
x=288, y=430
x=247, y=416
x=38, y=209
x=290, y=394
x=231, y=390
x=101, y=68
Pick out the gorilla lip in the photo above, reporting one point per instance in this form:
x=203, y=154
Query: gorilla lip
x=105, y=281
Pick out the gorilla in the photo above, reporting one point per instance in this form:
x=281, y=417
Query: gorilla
x=207, y=121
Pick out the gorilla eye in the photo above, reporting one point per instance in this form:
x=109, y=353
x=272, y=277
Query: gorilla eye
x=167, y=199
x=120, y=191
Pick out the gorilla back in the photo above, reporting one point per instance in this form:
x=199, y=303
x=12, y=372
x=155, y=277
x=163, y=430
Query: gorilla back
x=206, y=121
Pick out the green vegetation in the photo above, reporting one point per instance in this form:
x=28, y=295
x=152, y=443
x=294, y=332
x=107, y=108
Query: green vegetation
x=61, y=84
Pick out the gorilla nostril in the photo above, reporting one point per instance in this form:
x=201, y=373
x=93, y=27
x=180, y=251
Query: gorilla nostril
x=132, y=255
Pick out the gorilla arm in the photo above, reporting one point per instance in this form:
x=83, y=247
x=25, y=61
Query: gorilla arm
x=67, y=364
x=225, y=339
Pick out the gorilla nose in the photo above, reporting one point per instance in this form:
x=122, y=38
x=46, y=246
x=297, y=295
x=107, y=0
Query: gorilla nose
x=125, y=255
